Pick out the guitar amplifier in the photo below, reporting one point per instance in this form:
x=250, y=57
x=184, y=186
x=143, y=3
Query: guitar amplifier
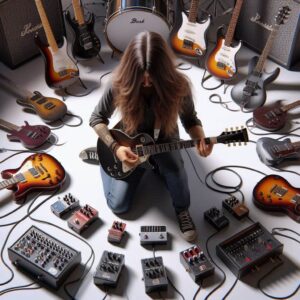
x=254, y=26
x=19, y=21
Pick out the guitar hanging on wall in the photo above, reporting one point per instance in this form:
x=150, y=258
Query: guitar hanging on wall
x=85, y=43
x=274, y=193
x=30, y=136
x=60, y=70
x=221, y=61
x=250, y=93
x=37, y=172
x=190, y=40
x=48, y=109
x=143, y=145
x=273, y=117
x=272, y=152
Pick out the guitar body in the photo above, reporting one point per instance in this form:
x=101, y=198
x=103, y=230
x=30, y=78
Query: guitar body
x=270, y=118
x=250, y=93
x=85, y=44
x=60, y=70
x=111, y=164
x=274, y=193
x=49, y=109
x=48, y=174
x=271, y=152
x=221, y=62
x=190, y=40
x=30, y=136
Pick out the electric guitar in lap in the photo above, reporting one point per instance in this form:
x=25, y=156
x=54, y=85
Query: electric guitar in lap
x=273, y=117
x=30, y=136
x=221, y=61
x=85, y=43
x=250, y=93
x=60, y=69
x=190, y=40
x=274, y=193
x=49, y=109
x=272, y=152
x=38, y=172
x=143, y=145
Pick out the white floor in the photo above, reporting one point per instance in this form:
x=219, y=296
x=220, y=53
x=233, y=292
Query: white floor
x=152, y=204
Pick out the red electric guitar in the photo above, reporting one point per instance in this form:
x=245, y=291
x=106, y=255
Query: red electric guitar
x=274, y=192
x=37, y=172
x=30, y=136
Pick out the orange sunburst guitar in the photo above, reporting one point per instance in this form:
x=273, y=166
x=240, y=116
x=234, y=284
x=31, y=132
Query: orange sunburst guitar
x=37, y=172
x=274, y=192
x=221, y=61
x=61, y=71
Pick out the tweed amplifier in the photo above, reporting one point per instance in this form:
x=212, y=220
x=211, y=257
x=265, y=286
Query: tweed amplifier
x=255, y=23
x=19, y=21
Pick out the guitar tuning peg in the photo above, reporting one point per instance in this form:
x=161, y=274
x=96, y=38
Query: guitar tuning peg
x=226, y=129
x=234, y=144
x=231, y=128
x=240, y=144
x=229, y=145
x=236, y=127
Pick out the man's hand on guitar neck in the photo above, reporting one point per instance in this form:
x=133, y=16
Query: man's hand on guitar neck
x=197, y=132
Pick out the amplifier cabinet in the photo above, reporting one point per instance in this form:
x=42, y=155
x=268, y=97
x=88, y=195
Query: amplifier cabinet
x=19, y=21
x=255, y=23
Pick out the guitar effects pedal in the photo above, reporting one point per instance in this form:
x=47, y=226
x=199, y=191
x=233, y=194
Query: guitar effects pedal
x=109, y=268
x=216, y=218
x=82, y=218
x=235, y=207
x=153, y=235
x=44, y=257
x=116, y=232
x=154, y=274
x=62, y=206
x=196, y=263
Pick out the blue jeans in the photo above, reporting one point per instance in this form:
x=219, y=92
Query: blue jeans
x=119, y=193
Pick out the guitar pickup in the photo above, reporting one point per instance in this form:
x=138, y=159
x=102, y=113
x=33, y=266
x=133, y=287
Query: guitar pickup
x=188, y=44
x=49, y=105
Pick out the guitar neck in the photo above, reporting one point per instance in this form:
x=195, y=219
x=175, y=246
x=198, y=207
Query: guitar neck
x=15, y=89
x=290, y=106
x=233, y=22
x=193, y=13
x=262, y=59
x=296, y=146
x=11, y=181
x=49, y=34
x=78, y=12
x=8, y=126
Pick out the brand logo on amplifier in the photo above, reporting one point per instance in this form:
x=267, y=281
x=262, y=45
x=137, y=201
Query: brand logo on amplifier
x=257, y=20
x=135, y=20
x=28, y=28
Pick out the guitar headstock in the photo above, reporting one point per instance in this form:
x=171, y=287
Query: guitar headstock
x=282, y=15
x=234, y=137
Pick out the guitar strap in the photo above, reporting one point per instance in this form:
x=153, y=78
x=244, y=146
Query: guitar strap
x=156, y=131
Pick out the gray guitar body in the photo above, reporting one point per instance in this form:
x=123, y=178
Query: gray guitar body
x=250, y=93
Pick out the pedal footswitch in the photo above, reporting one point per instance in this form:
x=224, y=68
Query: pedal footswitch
x=155, y=276
x=109, y=268
x=196, y=263
x=153, y=235
x=235, y=207
x=216, y=218
x=82, y=218
x=62, y=206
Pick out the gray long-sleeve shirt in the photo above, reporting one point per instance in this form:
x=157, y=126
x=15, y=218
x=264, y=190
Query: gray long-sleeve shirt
x=105, y=108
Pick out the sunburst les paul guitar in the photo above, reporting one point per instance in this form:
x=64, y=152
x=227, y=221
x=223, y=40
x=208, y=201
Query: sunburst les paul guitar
x=221, y=61
x=37, y=172
x=274, y=193
x=143, y=145
x=61, y=71
x=190, y=40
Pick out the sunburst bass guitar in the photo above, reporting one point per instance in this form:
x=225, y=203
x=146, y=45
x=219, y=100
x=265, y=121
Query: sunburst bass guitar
x=143, y=145
x=37, y=172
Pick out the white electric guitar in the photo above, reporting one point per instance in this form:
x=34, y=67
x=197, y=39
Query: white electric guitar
x=190, y=40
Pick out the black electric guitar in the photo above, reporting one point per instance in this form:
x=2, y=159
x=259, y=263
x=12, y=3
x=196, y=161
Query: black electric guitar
x=143, y=145
x=272, y=152
x=250, y=93
x=85, y=43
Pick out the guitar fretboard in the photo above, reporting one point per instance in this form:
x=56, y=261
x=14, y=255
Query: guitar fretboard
x=193, y=11
x=291, y=106
x=11, y=181
x=78, y=12
x=233, y=22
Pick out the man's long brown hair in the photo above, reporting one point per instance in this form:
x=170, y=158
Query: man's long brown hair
x=149, y=52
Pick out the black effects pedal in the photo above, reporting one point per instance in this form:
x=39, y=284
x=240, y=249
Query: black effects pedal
x=216, y=218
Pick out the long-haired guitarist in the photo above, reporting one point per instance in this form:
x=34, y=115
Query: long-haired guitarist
x=150, y=93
